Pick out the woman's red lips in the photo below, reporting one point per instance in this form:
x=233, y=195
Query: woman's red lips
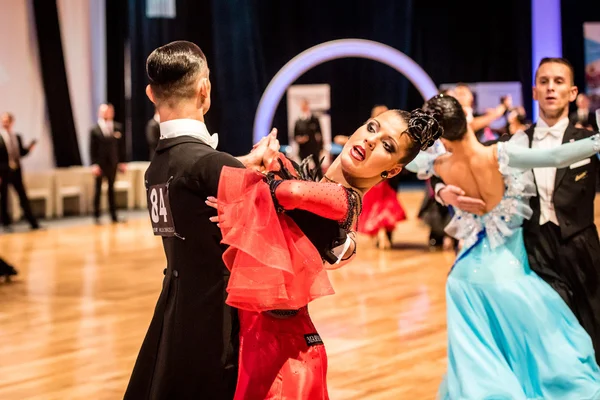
x=358, y=153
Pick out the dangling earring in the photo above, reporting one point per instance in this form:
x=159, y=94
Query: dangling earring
x=384, y=174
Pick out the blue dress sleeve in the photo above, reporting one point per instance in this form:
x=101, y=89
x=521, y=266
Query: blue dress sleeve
x=559, y=157
x=423, y=164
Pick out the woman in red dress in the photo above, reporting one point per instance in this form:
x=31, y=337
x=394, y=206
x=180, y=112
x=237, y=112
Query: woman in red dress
x=284, y=232
x=381, y=212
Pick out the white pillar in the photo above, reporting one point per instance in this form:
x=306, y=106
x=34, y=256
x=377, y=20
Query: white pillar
x=546, y=35
x=98, y=56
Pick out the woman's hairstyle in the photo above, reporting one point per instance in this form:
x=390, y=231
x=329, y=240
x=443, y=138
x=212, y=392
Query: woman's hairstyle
x=423, y=130
x=453, y=119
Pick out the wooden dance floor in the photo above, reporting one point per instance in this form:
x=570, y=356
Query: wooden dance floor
x=72, y=322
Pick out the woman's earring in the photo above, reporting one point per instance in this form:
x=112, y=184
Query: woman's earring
x=384, y=174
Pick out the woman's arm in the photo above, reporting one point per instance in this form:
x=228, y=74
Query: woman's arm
x=327, y=200
x=558, y=157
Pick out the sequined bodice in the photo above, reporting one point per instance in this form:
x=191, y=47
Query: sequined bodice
x=507, y=217
x=504, y=219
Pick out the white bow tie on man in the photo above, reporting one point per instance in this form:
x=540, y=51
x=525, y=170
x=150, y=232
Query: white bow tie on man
x=540, y=132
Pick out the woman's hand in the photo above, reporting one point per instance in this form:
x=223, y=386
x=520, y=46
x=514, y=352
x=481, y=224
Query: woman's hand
x=213, y=202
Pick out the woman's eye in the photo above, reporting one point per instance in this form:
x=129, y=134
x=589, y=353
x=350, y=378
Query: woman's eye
x=371, y=127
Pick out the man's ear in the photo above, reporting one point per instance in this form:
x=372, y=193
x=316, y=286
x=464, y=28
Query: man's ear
x=150, y=94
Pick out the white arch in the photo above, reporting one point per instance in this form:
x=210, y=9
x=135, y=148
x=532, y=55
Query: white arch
x=328, y=51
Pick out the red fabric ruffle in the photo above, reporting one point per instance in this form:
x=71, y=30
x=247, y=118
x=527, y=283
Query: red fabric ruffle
x=273, y=264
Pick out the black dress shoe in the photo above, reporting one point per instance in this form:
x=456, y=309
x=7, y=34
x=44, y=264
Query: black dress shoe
x=7, y=271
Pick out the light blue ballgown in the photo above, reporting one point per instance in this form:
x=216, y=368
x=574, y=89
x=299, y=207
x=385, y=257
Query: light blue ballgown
x=510, y=335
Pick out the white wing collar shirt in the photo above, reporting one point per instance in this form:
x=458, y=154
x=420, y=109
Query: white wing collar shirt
x=545, y=137
x=188, y=127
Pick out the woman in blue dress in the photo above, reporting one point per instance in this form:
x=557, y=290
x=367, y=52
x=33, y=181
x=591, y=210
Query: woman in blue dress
x=510, y=335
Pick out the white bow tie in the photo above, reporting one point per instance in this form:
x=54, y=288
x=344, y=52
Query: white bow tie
x=541, y=132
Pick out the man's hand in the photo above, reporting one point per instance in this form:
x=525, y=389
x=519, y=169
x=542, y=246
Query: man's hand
x=262, y=152
x=455, y=196
x=340, y=139
x=271, y=153
x=122, y=167
x=301, y=139
x=96, y=171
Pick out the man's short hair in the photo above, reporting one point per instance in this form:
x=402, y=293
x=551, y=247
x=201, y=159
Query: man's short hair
x=558, y=60
x=173, y=70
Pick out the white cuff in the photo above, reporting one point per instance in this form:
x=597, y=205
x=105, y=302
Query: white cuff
x=436, y=190
x=342, y=249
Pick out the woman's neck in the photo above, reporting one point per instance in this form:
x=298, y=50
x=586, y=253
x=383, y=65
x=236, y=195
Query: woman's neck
x=335, y=174
x=466, y=146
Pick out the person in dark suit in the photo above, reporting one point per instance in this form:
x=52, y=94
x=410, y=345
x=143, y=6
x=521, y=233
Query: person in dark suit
x=583, y=117
x=107, y=154
x=153, y=133
x=561, y=238
x=191, y=347
x=308, y=135
x=11, y=151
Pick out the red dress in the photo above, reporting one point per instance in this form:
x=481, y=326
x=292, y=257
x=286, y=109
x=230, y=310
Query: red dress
x=280, y=358
x=381, y=209
x=275, y=272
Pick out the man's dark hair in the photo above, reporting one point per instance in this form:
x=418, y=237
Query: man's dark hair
x=557, y=60
x=173, y=69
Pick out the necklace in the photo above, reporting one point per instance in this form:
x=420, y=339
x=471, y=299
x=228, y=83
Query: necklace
x=329, y=179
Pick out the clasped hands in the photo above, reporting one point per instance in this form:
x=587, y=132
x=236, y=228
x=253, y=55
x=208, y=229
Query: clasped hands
x=261, y=159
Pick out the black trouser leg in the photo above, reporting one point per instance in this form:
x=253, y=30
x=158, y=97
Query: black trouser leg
x=97, y=195
x=23, y=200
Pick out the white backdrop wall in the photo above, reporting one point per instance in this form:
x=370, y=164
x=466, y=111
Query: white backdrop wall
x=83, y=39
x=21, y=87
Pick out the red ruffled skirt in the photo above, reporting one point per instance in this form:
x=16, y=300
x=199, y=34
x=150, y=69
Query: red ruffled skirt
x=273, y=264
x=280, y=358
x=381, y=209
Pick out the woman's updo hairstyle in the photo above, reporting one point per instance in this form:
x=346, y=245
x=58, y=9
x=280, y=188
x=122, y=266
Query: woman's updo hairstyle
x=453, y=118
x=424, y=129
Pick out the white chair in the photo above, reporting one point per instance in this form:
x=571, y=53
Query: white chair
x=88, y=182
x=139, y=171
x=70, y=183
x=38, y=186
x=124, y=183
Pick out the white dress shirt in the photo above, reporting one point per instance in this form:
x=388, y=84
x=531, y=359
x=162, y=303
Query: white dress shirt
x=545, y=137
x=12, y=148
x=189, y=127
x=106, y=126
x=469, y=114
